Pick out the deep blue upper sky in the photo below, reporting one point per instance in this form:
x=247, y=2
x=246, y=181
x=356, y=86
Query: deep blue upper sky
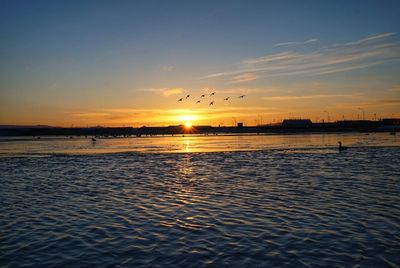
x=86, y=28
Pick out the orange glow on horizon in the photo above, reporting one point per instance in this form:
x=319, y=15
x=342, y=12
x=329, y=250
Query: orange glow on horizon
x=187, y=117
x=224, y=116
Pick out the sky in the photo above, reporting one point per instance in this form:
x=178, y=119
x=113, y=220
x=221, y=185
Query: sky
x=127, y=63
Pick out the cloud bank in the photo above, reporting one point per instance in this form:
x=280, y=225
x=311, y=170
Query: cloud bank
x=335, y=58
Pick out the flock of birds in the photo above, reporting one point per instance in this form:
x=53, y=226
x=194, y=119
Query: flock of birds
x=210, y=95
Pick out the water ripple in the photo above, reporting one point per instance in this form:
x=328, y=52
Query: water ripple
x=261, y=208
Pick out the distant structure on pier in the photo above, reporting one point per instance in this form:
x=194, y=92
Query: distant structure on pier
x=391, y=121
x=355, y=123
x=296, y=123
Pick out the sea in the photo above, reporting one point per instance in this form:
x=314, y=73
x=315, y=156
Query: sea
x=201, y=201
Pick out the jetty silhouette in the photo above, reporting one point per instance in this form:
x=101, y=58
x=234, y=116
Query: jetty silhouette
x=287, y=126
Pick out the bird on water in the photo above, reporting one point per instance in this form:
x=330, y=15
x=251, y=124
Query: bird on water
x=342, y=148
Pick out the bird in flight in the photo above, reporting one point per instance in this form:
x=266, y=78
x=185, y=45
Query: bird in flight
x=227, y=98
x=211, y=103
x=202, y=96
x=212, y=94
x=187, y=96
x=180, y=99
x=242, y=96
x=198, y=101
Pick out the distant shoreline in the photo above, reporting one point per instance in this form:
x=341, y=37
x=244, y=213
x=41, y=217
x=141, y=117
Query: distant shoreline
x=337, y=127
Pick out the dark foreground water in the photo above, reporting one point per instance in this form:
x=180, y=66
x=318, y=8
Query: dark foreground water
x=268, y=208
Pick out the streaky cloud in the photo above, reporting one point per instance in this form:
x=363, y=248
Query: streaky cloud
x=296, y=43
x=246, y=77
x=371, y=38
x=336, y=58
x=316, y=96
x=278, y=57
x=165, y=91
x=369, y=104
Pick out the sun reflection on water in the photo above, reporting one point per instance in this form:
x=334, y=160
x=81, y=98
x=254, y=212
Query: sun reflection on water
x=187, y=145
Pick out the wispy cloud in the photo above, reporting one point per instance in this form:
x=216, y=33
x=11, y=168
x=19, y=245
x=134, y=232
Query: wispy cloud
x=89, y=114
x=165, y=91
x=278, y=57
x=371, y=38
x=167, y=67
x=245, y=90
x=390, y=101
x=363, y=53
x=173, y=91
x=369, y=104
x=296, y=43
x=115, y=116
x=316, y=96
x=244, y=78
x=395, y=88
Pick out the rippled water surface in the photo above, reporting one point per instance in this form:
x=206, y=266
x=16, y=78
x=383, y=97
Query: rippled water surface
x=289, y=206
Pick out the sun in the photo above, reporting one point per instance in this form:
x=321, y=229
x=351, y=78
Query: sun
x=187, y=118
x=188, y=125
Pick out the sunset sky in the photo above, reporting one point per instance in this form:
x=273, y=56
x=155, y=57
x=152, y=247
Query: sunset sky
x=115, y=63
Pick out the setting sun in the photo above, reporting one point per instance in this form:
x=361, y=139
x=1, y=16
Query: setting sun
x=188, y=117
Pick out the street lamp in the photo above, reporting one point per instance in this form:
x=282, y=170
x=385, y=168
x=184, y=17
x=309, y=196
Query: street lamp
x=327, y=113
x=363, y=113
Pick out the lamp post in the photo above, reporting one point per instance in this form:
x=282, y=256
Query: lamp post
x=327, y=113
x=363, y=113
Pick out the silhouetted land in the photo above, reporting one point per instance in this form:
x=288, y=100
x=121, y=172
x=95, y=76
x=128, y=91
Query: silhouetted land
x=287, y=126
